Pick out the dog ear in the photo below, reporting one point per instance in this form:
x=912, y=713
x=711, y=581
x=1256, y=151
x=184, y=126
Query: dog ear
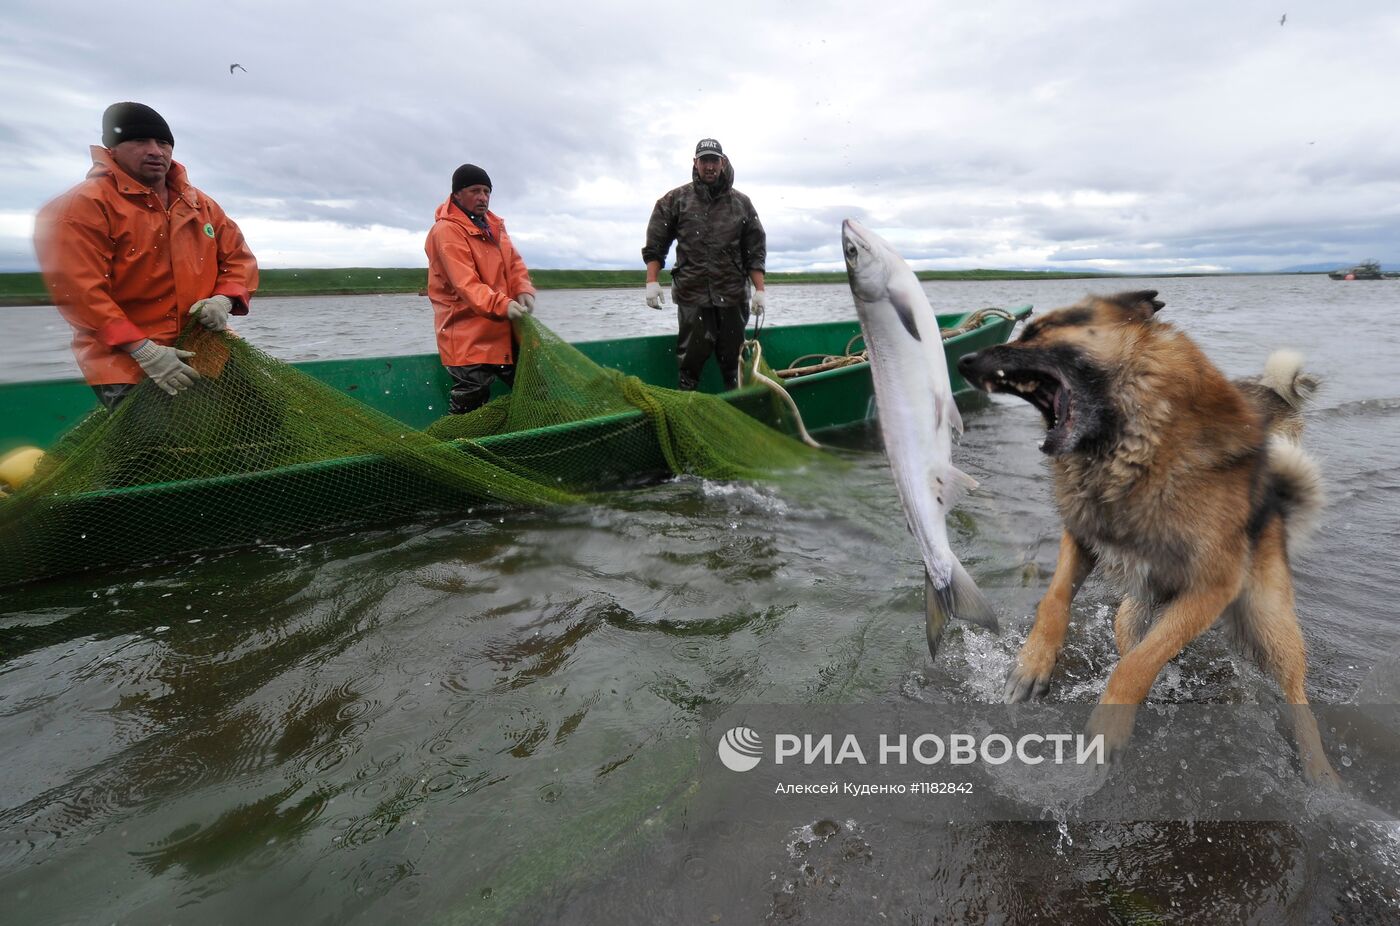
x=1140, y=305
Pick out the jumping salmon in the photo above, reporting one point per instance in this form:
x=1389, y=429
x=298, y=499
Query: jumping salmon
x=917, y=418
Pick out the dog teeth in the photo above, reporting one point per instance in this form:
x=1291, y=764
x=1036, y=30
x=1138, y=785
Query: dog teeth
x=1001, y=374
x=1023, y=387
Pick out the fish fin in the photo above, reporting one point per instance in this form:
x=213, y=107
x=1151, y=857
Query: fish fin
x=969, y=604
x=905, y=310
x=960, y=598
x=945, y=409
x=938, y=605
x=962, y=479
x=954, y=416
x=950, y=490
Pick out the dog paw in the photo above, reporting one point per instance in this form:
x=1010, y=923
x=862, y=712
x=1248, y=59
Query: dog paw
x=1025, y=685
x=1320, y=774
x=1113, y=722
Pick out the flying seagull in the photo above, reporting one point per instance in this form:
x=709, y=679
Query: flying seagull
x=239, y=66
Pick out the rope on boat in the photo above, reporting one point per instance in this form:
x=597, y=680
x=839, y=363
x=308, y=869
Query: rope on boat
x=778, y=390
x=975, y=321
x=850, y=357
x=824, y=362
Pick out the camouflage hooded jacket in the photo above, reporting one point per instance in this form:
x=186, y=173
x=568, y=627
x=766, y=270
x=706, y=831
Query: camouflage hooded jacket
x=718, y=236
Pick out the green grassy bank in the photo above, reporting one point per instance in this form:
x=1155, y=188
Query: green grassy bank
x=28, y=288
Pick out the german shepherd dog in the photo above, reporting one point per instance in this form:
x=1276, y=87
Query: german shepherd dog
x=1185, y=489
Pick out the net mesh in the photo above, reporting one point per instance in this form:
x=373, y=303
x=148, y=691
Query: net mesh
x=696, y=433
x=259, y=452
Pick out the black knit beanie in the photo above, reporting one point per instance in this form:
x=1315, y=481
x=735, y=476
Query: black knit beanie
x=125, y=121
x=469, y=175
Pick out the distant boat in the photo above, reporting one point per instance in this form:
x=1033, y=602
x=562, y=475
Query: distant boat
x=1366, y=270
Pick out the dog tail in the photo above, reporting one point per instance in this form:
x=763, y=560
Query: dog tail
x=1297, y=482
x=1283, y=373
x=1280, y=392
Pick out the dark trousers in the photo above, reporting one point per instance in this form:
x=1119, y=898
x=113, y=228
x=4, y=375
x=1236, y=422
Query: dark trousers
x=471, y=384
x=111, y=394
x=710, y=329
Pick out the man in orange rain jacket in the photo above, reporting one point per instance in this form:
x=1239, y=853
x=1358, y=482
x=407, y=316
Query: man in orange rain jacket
x=477, y=283
x=132, y=251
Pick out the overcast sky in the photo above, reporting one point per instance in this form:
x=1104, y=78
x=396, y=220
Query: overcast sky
x=1083, y=134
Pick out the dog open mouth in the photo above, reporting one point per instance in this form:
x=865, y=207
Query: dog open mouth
x=1043, y=386
x=1050, y=394
x=1071, y=390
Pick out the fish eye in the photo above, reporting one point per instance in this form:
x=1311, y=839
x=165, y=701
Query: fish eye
x=850, y=252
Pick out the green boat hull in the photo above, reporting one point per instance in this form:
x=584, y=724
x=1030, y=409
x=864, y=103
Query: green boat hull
x=367, y=489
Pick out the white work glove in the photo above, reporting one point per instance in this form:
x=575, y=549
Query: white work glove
x=527, y=302
x=756, y=303
x=166, y=366
x=655, y=296
x=515, y=310
x=213, y=312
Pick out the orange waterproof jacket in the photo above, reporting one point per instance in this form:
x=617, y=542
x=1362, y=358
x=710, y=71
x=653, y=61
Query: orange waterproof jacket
x=471, y=281
x=121, y=267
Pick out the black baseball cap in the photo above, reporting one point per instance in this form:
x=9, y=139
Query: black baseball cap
x=708, y=147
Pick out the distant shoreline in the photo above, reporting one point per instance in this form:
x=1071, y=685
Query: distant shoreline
x=17, y=289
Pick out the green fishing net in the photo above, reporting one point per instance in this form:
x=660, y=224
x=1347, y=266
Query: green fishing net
x=259, y=452
x=696, y=433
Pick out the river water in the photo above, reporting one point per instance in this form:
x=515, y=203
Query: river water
x=496, y=719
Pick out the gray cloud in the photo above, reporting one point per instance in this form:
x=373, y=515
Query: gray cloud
x=1114, y=135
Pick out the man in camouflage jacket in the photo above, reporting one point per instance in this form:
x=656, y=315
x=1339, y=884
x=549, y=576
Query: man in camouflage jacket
x=720, y=253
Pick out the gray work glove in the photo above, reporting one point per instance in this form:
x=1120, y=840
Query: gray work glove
x=166, y=366
x=516, y=310
x=527, y=302
x=756, y=302
x=213, y=312
x=655, y=296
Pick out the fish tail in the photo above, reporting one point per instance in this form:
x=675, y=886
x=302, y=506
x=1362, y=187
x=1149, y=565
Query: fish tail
x=938, y=606
x=960, y=598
